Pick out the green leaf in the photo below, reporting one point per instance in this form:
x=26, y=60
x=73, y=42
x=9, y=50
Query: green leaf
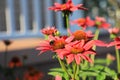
x=112, y=36
x=66, y=76
x=100, y=77
x=55, y=73
x=87, y=73
x=57, y=69
x=100, y=61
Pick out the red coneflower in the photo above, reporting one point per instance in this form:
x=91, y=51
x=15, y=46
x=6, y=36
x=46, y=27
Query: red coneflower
x=33, y=74
x=114, y=30
x=68, y=6
x=15, y=62
x=100, y=22
x=78, y=50
x=54, y=43
x=83, y=22
x=49, y=31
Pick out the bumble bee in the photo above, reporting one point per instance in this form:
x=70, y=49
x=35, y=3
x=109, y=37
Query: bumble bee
x=51, y=42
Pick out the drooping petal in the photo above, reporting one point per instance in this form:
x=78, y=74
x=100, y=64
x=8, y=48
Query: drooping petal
x=69, y=39
x=80, y=6
x=73, y=9
x=77, y=59
x=89, y=34
x=82, y=56
x=61, y=53
x=89, y=52
x=88, y=45
x=88, y=59
x=117, y=42
x=43, y=48
x=70, y=58
x=100, y=43
x=69, y=31
x=89, y=22
x=43, y=51
x=82, y=43
x=111, y=44
x=57, y=4
x=105, y=25
x=44, y=43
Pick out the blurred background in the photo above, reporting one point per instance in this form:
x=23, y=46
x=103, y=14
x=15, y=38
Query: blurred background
x=20, y=25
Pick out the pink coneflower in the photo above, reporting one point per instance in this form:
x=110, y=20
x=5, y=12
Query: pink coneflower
x=100, y=22
x=89, y=34
x=68, y=6
x=83, y=22
x=54, y=43
x=114, y=30
x=78, y=51
x=80, y=34
x=49, y=31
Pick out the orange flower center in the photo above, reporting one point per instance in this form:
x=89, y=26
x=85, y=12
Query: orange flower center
x=50, y=32
x=79, y=35
x=81, y=20
x=59, y=44
x=63, y=6
x=76, y=50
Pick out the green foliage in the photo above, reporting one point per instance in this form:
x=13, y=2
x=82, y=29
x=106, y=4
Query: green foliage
x=60, y=72
x=98, y=71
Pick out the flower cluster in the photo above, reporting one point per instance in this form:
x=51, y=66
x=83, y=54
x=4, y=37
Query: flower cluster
x=99, y=22
x=76, y=51
x=15, y=62
x=33, y=74
x=76, y=47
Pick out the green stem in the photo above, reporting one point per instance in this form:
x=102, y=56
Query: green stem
x=96, y=37
x=118, y=59
x=76, y=76
x=94, y=47
x=67, y=20
x=74, y=72
x=63, y=66
x=46, y=37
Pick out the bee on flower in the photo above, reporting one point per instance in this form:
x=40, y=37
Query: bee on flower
x=49, y=31
x=54, y=43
